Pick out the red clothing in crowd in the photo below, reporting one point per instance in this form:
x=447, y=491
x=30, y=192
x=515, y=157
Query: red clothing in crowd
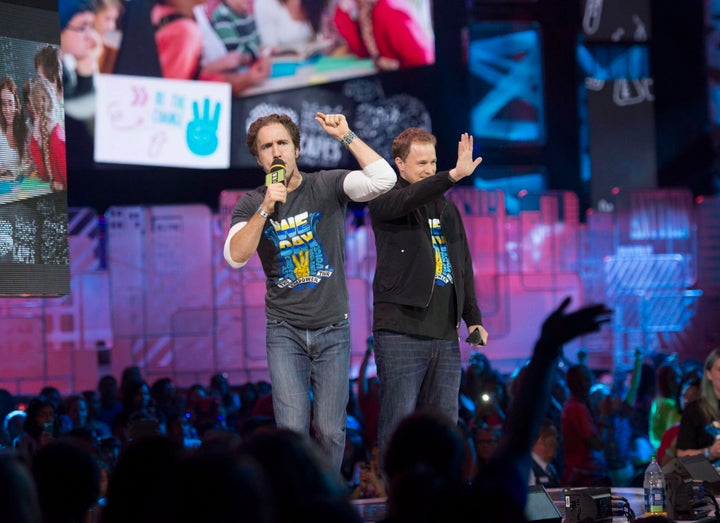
x=397, y=33
x=580, y=459
x=666, y=450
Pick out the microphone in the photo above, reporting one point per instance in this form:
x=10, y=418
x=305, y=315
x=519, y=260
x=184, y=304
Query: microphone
x=277, y=172
x=276, y=175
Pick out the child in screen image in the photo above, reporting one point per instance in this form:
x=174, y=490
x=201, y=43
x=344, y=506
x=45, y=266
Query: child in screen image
x=48, y=66
x=230, y=38
x=284, y=24
x=234, y=23
x=391, y=32
x=179, y=40
x=13, y=133
x=107, y=14
x=47, y=143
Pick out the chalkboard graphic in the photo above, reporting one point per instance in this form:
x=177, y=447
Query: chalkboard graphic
x=380, y=121
x=201, y=134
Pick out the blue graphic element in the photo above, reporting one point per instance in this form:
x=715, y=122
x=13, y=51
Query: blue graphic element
x=201, y=134
x=443, y=268
x=506, y=86
x=303, y=260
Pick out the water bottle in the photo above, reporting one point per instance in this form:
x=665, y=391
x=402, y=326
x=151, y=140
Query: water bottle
x=654, y=487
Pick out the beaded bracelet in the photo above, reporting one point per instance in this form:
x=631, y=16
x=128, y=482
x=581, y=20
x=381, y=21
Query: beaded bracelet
x=349, y=137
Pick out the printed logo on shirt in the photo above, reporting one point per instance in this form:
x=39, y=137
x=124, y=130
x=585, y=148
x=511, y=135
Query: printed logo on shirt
x=443, y=269
x=303, y=261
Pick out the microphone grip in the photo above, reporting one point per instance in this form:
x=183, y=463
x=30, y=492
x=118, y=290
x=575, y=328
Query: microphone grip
x=276, y=175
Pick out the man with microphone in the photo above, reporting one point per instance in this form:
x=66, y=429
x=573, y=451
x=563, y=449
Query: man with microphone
x=296, y=224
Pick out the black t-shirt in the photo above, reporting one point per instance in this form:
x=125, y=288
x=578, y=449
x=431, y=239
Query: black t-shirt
x=438, y=319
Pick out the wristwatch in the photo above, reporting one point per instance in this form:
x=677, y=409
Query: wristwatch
x=706, y=453
x=262, y=213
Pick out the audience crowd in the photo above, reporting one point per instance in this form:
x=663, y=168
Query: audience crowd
x=119, y=452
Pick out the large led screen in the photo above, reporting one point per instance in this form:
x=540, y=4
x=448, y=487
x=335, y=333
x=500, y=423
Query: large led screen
x=34, y=258
x=265, y=51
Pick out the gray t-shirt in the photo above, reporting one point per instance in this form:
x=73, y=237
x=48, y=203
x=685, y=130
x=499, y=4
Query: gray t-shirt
x=302, y=250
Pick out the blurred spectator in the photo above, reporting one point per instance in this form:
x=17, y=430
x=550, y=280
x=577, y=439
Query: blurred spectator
x=12, y=427
x=425, y=469
x=202, y=410
x=248, y=396
x=40, y=426
x=542, y=469
x=130, y=374
x=664, y=412
x=76, y=409
x=500, y=490
x=641, y=408
x=143, y=487
x=368, y=396
x=110, y=404
x=229, y=400
x=370, y=482
x=614, y=412
x=583, y=440
x=486, y=389
x=298, y=475
x=700, y=417
x=486, y=440
x=215, y=485
x=93, y=407
x=689, y=392
x=7, y=403
x=68, y=481
x=163, y=394
x=18, y=496
x=355, y=420
x=137, y=405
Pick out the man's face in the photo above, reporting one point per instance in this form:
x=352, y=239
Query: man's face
x=79, y=37
x=420, y=163
x=274, y=141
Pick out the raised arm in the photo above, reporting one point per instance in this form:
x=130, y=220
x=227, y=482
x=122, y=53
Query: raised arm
x=635, y=381
x=465, y=164
x=377, y=175
x=528, y=408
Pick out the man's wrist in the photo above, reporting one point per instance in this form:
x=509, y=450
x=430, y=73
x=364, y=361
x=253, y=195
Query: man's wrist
x=262, y=213
x=347, y=138
x=706, y=453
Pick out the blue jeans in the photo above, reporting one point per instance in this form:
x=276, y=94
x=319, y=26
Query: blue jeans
x=415, y=373
x=304, y=362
